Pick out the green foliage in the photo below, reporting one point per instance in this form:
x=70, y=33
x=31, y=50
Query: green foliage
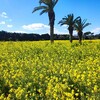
x=69, y=20
x=81, y=24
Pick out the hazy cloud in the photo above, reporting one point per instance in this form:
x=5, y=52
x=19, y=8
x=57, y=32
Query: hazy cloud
x=96, y=30
x=41, y=27
x=2, y=22
x=35, y=26
x=10, y=26
x=56, y=31
x=64, y=26
x=4, y=15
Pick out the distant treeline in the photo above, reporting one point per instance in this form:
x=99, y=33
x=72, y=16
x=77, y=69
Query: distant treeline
x=9, y=36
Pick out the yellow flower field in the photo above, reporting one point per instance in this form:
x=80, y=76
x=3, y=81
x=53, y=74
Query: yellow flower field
x=41, y=71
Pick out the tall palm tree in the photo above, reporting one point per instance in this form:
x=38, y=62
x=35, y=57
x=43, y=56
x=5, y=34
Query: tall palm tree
x=79, y=26
x=70, y=21
x=48, y=7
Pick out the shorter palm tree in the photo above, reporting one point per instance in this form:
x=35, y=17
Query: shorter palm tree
x=70, y=21
x=79, y=26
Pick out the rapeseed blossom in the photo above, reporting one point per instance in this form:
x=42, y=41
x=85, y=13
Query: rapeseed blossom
x=62, y=71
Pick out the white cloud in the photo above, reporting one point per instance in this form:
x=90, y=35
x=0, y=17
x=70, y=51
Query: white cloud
x=56, y=31
x=2, y=22
x=75, y=33
x=96, y=30
x=4, y=15
x=10, y=26
x=64, y=26
x=41, y=28
x=35, y=26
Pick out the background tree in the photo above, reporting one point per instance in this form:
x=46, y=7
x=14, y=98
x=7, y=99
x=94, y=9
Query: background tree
x=79, y=26
x=70, y=21
x=88, y=35
x=48, y=7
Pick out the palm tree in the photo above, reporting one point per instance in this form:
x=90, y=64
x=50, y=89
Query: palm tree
x=70, y=21
x=48, y=7
x=79, y=26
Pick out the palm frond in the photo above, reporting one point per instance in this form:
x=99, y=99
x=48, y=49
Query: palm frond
x=80, y=25
x=76, y=19
x=54, y=2
x=76, y=27
x=62, y=22
x=39, y=8
x=69, y=20
x=87, y=24
x=43, y=11
x=44, y=1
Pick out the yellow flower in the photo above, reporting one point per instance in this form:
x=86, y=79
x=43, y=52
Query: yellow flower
x=68, y=94
x=95, y=88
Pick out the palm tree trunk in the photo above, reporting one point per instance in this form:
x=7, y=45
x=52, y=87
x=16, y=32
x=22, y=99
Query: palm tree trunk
x=71, y=33
x=80, y=37
x=51, y=16
x=52, y=34
x=71, y=37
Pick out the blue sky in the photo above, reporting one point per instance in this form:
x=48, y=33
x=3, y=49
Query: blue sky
x=17, y=16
